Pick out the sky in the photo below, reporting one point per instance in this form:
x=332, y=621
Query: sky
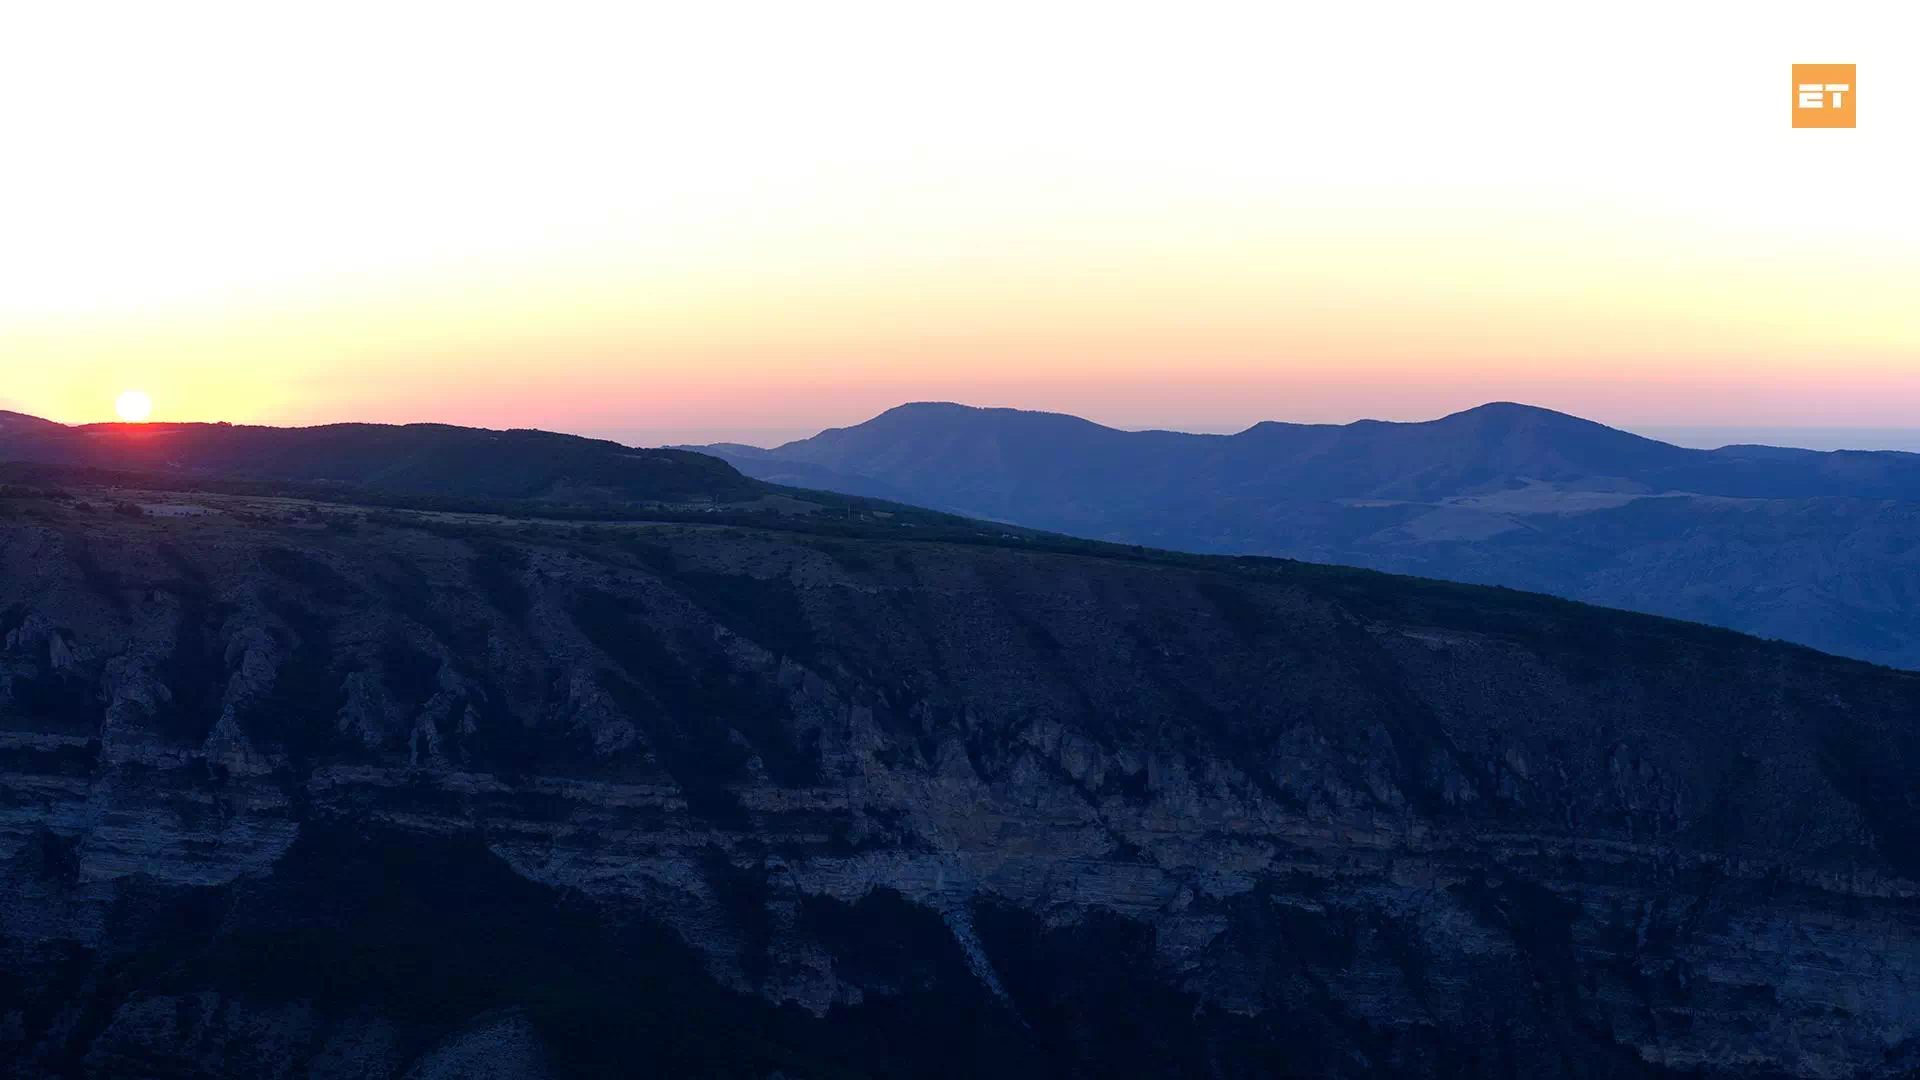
x=693, y=222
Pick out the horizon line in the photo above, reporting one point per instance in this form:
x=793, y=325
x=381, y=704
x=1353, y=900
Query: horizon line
x=1653, y=432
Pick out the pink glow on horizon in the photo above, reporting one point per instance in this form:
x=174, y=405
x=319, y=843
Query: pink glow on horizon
x=689, y=411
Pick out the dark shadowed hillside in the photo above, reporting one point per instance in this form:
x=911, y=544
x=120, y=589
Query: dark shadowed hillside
x=419, y=458
x=303, y=790
x=1810, y=547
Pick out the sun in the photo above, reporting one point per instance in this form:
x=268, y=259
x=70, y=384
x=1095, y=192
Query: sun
x=134, y=406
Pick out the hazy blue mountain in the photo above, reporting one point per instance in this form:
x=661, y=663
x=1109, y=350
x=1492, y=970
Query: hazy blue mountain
x=1809, y=546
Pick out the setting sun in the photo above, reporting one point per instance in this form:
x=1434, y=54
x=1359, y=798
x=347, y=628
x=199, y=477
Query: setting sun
x=134, y=406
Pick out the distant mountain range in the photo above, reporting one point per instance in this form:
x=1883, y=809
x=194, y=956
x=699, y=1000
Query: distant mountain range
x=1821, y=548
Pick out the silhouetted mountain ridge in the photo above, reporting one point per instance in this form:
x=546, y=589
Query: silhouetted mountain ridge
x=437, y=459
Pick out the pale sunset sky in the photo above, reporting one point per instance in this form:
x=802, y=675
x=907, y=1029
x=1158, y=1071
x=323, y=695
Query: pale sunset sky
x=688, y=222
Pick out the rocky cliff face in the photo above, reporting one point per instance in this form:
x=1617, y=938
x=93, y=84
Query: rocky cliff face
x=289, y=795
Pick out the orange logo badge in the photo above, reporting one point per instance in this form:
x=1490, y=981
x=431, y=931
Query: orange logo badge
x=1823, y=95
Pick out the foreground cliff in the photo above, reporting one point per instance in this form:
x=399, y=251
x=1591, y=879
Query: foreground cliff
x=295, y=791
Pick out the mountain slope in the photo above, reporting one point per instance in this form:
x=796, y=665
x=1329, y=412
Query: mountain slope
x=380, y=795
x=801, y=474
x=14, y=423
x=1502, y=494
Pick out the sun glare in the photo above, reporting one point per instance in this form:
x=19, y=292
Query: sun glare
x=134, y=406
